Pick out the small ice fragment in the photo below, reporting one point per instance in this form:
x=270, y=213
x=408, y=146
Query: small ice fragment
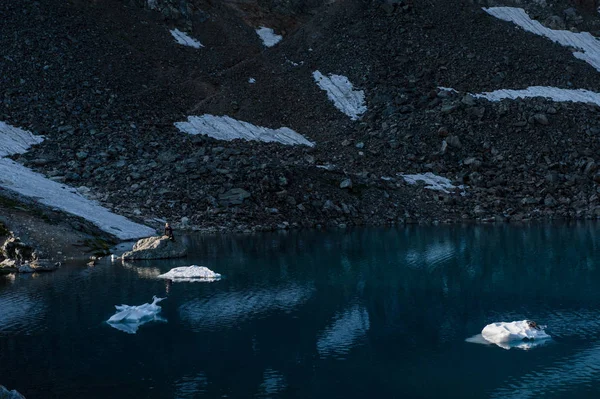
x=268, y=36
x=190, y=274
x=251, y=80
x=184, y=39
x=130, y=318
x=516, y=334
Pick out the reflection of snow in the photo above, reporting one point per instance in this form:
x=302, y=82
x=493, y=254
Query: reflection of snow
x=347, y=328
x=588, y=46
x=17, y=309
x=234, y=307
x=582, y=369
x=17, y=178
x=226, y=128
x=273, y=383
x=190, y=274
x=432, y=182
x=268, y=36
x=184, y=39
x=130, y=318
x=342, y=94
x=191, y=386
x=553, y=93
x=433, y=254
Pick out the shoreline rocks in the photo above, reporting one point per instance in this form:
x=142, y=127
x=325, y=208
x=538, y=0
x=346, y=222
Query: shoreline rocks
x=156, y=248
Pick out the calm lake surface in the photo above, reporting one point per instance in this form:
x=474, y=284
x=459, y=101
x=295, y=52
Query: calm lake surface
x=381, y=313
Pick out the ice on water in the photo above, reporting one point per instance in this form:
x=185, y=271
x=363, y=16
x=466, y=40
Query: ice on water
x=130, y=318
x=191, y=274
x=516, y=334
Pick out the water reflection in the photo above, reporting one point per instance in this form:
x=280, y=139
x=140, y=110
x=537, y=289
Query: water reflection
x=190, y=386
x=226, y=309
x=273, y=384
x=20, y=312
x=344, y=333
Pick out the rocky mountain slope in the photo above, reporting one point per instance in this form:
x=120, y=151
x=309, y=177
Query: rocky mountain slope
x=105, y=83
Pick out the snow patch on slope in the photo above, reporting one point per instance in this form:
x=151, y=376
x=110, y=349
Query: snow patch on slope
x=341, y=93
x=16, y=177
x=588, y=46
x=432, y=182
x=268, y=36
x=226, y=128
x=184, y=39
x=553, y=93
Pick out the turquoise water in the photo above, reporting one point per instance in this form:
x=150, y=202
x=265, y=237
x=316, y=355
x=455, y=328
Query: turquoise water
x=339, y=314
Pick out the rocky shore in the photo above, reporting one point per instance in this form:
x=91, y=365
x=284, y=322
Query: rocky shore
x=109, y=124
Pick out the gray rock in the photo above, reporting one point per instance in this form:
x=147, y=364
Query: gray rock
x=156, y=248
x=235, y=196
x=541, y=119
x=453, y=141
x=6, y=394
x=346, y=183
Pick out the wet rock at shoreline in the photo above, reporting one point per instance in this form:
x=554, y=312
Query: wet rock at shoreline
x=156, y=248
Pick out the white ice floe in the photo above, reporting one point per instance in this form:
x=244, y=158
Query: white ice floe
x=130, y=318
x=340, y=91
x=226, y=128
x=448, y=89
x=347, y=328
x=586, y=44
x=184, y=39
x=516, y=334
x=190, y=274
x=251, y=80
x=432, y=182
x=268, y=36
x=19, y=179
x=553, y=93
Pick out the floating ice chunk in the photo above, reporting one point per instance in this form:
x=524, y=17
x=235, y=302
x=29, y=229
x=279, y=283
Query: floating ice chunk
x=587, y=44
x=344, y=97
x=432, y=182
x=553, y=93
x=130, y=318
x=268, y=36
x=184, y=39
x=251, y=80
x=226, y=128
x=17, y=178
x=448, y=89
x=190, y=274
x=516, y=334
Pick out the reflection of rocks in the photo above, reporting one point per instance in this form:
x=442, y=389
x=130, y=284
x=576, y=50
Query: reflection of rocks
x=156, y=248
x=6, y=394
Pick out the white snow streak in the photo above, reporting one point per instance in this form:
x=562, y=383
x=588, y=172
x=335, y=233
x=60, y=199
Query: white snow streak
x=16, y=177
x=268, y=36
x=226, y=128
x=432, y=182
x=184, y=39
x=16, y=141
x=344, y=97
x=588, y=46
x=553, y=93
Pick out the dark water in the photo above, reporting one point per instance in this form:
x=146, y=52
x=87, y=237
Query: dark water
x=364, y=313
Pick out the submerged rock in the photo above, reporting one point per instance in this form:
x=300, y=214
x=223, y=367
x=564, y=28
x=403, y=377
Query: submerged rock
x=156, y=248
x=6, y=394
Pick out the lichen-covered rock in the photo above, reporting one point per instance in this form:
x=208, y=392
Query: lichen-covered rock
x=13, y=248
x=6, y=394
x=156, y=248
